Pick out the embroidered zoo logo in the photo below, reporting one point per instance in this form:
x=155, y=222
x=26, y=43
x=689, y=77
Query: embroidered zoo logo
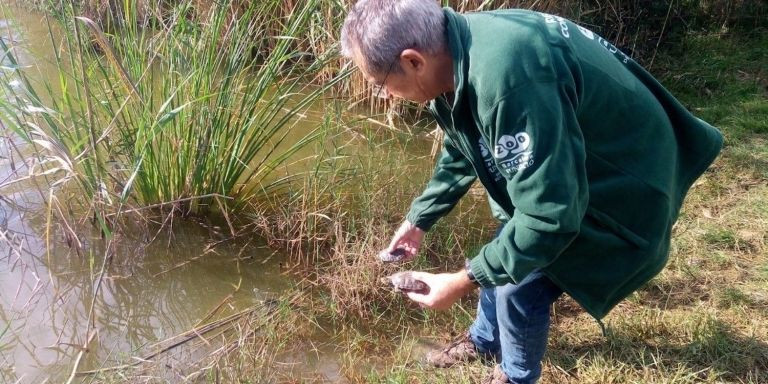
x=514, y=153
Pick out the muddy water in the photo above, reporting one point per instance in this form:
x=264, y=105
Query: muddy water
x=150, y=292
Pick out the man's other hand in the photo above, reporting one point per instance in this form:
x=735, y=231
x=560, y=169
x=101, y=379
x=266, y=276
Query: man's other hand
x=444, y=289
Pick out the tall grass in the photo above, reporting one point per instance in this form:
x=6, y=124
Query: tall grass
x=636, y=26
x=183, y=115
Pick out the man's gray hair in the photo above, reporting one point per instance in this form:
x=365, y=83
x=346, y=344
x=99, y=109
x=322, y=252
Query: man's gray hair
x=379, y=30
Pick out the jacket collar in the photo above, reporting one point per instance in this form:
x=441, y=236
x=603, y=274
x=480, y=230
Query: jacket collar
x=455, y=30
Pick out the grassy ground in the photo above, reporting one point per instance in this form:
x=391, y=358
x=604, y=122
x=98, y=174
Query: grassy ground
x=701, y=320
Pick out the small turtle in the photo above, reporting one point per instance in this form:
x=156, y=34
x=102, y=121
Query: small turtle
x=405, y=282
x=392, y=257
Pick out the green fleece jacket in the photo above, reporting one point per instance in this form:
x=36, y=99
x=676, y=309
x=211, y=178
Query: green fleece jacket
x=584, y=152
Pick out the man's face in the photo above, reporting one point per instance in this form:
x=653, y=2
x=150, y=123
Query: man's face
x=412, y=82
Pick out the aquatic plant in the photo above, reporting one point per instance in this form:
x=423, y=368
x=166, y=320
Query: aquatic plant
x=190, y=115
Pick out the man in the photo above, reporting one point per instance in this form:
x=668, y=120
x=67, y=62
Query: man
x=585, y=157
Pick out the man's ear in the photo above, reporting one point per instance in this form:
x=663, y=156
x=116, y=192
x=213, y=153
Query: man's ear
x=413, y=60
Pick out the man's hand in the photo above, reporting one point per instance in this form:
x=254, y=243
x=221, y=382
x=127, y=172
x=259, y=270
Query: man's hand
x=444, y=289
x=404, y=245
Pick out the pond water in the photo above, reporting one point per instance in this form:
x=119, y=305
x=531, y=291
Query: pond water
x=151, y=291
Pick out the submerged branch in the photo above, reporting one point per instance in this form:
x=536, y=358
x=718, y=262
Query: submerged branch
x=192, y=334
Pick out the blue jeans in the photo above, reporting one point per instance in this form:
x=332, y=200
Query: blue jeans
x=513, y=322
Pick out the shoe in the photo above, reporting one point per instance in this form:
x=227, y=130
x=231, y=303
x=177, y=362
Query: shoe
x=460, y=351
x=496, y=377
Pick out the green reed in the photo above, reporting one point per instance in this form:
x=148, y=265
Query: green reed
x=186, y=113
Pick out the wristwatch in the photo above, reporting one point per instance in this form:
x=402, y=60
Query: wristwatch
x=470, y=275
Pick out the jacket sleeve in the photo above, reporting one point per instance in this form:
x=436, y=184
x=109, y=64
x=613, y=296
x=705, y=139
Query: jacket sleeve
x=540, y=151
x=451, y=179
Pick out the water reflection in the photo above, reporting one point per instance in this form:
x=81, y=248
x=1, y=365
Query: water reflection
x=149, y=293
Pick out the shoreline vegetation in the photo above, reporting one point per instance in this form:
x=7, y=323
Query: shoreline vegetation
x=169, y=109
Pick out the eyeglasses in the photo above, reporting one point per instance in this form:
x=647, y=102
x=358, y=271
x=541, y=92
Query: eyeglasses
x=377, y=88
